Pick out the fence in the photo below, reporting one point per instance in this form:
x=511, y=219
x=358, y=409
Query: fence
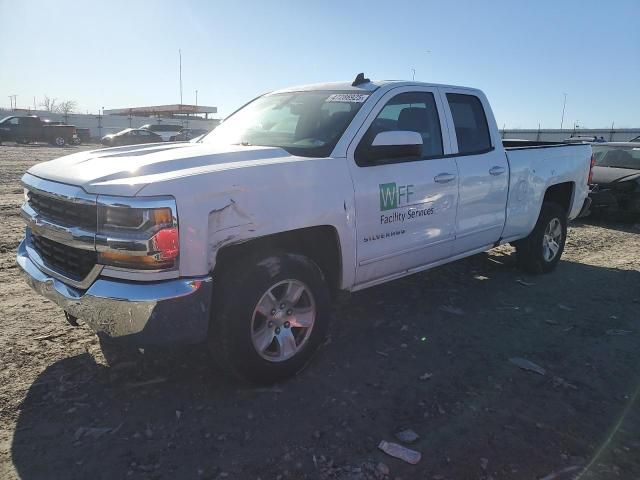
x=557, y=135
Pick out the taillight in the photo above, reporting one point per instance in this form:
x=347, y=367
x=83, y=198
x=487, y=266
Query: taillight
x=593, y=162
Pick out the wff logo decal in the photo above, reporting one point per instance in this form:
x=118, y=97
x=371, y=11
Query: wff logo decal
x=394, y=196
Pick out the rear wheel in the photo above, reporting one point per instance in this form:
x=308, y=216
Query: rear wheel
x=60, y=141
x=270, y=314
x=540, y=252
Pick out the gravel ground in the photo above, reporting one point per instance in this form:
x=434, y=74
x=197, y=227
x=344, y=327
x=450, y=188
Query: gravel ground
x=429, y=353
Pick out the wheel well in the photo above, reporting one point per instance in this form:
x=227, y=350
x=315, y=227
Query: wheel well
x=562, y=193
x=321, y=244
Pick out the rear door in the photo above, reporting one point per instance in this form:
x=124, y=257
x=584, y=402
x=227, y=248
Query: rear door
x=131, y=138
x=31, y=128
x=483, y=170
x=405, y=208
x=145, y=137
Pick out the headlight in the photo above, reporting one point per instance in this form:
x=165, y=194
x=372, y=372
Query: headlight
x=138, y=233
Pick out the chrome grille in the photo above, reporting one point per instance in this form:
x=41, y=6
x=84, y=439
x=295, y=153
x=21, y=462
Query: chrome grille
x=63, y=212
x=71, y=262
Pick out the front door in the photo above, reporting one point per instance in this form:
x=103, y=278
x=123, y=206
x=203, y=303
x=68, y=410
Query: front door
x=405, y=207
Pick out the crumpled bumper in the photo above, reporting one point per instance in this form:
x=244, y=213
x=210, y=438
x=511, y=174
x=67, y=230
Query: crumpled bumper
x=143, y=313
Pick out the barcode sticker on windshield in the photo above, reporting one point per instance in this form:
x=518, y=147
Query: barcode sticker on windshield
x=347, y=97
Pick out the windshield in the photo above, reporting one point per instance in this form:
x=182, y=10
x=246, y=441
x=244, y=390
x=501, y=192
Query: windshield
x=302, y=123
x=617, y=156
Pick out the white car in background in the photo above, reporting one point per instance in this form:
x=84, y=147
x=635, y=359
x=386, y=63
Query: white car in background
x=165, y=130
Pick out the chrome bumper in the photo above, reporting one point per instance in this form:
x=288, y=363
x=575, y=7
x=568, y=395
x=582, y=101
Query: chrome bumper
x=143, y=313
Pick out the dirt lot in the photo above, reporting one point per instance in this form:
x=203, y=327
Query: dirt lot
x=430, y=352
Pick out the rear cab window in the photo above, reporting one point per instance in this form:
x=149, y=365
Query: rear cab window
x=470, y=122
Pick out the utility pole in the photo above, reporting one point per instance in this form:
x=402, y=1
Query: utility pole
x=414, y=74
x=611, y=134
x=14, y=101
x=180, y=55
x=563, y=106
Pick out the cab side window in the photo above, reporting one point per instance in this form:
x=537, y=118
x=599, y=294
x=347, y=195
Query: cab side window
x=470, y=123
x=410, y=111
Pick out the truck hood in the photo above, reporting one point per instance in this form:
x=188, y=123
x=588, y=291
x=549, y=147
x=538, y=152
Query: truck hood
x=126, y=170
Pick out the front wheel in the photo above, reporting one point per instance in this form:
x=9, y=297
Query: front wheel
x=270, y=314
x=540, y=252
x=60, y=141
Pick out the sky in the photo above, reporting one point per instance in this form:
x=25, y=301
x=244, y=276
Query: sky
x=525, y=55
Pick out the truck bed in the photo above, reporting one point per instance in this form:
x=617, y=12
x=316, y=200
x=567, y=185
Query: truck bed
x=514, y=144
x=533, y=168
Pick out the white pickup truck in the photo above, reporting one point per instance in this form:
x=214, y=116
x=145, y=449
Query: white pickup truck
x=242, y=238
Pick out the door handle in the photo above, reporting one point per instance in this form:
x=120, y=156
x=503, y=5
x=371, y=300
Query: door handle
x=497, y=170
x=444, y=178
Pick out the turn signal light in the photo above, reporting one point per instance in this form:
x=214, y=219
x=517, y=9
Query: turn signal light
x=167, y=243
x=165, y=249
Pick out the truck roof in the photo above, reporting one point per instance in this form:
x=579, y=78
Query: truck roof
x=369, y=86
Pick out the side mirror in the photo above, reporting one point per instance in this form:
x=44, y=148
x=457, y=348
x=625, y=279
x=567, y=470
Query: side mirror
x=394, y=144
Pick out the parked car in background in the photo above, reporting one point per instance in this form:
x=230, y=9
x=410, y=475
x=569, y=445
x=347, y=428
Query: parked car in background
x=165, y=130
x=240, y=240
x=34, y=129
x=130, y=136
x=188, y=134
x=616, y=178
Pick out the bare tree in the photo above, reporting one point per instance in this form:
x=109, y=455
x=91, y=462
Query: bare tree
x=66, y=107
x=49, y=104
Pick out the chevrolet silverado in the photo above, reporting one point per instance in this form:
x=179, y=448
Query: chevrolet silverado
x=242, y=239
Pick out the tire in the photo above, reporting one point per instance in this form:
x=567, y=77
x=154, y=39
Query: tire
x=60, y=141
x=245, y=317
x=540, y=252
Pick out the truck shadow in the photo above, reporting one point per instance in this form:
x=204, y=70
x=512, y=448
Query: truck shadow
x=429, y=352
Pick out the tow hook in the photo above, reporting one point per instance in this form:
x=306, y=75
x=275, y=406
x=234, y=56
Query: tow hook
x=71, y=319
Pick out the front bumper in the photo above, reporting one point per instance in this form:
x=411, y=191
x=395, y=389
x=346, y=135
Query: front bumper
x=142, y=313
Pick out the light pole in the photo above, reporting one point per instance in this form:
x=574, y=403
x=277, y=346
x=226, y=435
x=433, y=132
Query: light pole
x=413, y=70
x=563, y=106
x=180, y=55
